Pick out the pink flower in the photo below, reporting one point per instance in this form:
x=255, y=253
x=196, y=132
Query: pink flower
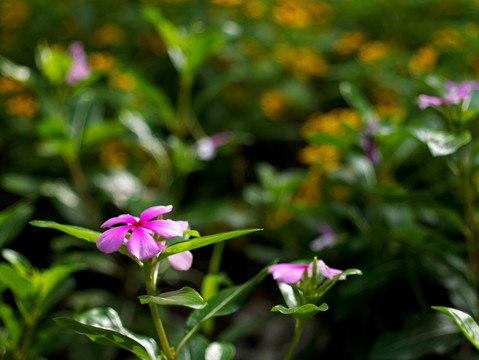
x=292, y=273
x=79, y=68
x=206, y=146
x=141, y=243
x=455, y=92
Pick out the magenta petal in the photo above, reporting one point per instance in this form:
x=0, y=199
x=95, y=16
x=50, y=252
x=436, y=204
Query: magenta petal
x=327, y=272
x=125, y=218
x=181, y=261
x=142, y=245
x=287, y=273
x=154, y=212
x=425, y=101
x=167, y=229
x=112, y=239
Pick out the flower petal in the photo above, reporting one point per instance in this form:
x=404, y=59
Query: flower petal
x=142, y=245
x=327, y=272
x=181, y=261
x=167, y=229
x=154, y=212
x=287, y=273
x=112, y=239
x=425, y=101
x=125, y=218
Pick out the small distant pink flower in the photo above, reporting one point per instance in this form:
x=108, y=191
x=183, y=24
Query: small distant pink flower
x=79, y=68
x=141, y=243
x=206, y=146
x=426, y=100
x=292, y=273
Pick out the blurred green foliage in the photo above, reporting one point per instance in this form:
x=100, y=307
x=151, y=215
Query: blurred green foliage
x=298, y=87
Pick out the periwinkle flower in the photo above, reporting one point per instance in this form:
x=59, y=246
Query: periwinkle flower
x=368, y=143
x=141, y=243
x=206, y=146
x=292, y=273
x=326, y=239
x=455, y=92
x=79, y=69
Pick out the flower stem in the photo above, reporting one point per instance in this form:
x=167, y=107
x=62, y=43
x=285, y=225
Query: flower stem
x=150, y=282
x=298, y=329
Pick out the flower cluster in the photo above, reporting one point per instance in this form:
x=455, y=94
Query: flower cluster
x=141, y=243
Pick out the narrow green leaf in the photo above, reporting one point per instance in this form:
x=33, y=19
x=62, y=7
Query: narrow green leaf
x=104, y=326
x=225, y=302
x=12, y=221
x=357, y=100
x=76, y=231
x=302, y=312
x=185, y=296
x=464, y=321
x=18, y=261
x=220, y=351
x=202, y=241
x=442, y=142
x=287, y=291
x=51, y=277
x=12, y=328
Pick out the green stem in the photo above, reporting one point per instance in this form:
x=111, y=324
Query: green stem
x=298, y=329
x=469, y=212
x=186, y=119
x=150, y=281
x=31, y=325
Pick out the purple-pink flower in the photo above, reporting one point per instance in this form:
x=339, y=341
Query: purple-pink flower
x=455, y=92
x=141, y=243
x=206, y=146
x=79, y=68
x=292, y=273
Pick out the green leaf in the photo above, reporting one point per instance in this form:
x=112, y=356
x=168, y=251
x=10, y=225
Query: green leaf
x=195, y=349
x=202, y=241
x=464, y=321
x=441, y=142
x=76, y=231
x=302, y=312
x=225, y=302
x=10, y=337
x=54, y=63
x=15, y=282
x=220, y=351
x=104, y=326
x=12, y=221
x=185, y=296
x=357, y=100
x=19, y=262
x=51, y=277
x=287, y=291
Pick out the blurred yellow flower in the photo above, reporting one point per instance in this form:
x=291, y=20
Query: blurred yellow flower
x=106, y=35
x=301, y=61
x=9, y=86
x=113, y=155
x=300, y=13
x=373, y=51
x=101, y=62
x=13, y=13
x=424, y=60
x=227, y=2
x=448, y=38
x=309, y=192
x=254, y=9
x=394, y=111
x=349, y=42
x=273, y=103
x=122, y=81
x=472, y=29
x=22, y=105
x=331, y=123
x=278, y=217
x=251, y=47
x=325, y=156
x=385, y=103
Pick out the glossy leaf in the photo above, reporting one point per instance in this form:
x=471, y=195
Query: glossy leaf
x=441, y=142
x=220, y=351
x=302, y=312
x=185, y=296
x=287, y=291
x=464, y=321
x=104, y=326
x=76, y=231
x=18, y=261
x=194, y=349
x=203, y=241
